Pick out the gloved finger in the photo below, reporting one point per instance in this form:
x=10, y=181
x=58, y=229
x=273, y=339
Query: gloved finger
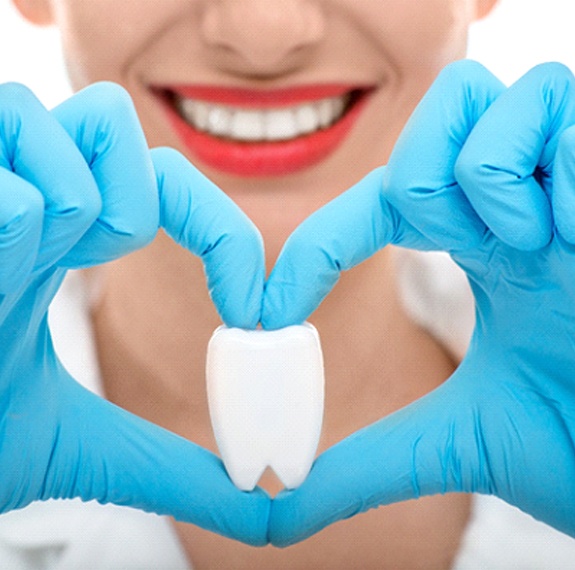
x=511, y=151
x=200, y=217
x=102, y=121
x=107, y=454
x=35, y=147
x=432, y=446
x=563, y=182
x=420, y=180
x=343, y=233
x=21, y=217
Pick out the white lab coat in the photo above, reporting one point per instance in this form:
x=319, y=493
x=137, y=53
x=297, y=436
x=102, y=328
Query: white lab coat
x=71, y=535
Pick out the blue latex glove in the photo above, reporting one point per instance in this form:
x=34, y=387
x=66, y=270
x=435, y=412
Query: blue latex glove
x=79, y=188
x=502, y=201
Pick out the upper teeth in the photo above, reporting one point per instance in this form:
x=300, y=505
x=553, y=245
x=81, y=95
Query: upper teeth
x=262, y=124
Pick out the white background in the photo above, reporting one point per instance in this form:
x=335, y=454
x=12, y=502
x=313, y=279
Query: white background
x=518, y=34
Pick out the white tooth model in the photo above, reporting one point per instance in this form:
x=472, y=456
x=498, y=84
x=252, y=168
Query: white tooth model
x=266, y=395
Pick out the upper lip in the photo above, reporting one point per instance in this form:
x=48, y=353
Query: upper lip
x=259, y=98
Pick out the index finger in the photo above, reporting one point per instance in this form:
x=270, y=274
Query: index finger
x=204, y=220
x=342, y=234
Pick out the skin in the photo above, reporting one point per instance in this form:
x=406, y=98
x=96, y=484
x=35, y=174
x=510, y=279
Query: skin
x=153, y=316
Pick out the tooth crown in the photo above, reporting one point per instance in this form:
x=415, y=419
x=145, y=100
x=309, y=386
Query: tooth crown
x=266, y=398
x=252, y=125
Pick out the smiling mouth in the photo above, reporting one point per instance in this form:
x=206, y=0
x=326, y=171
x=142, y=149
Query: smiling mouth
x=259, y=125
x=262, y=133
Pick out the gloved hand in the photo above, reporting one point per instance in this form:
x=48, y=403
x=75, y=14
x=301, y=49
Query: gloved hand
x=79, y=188
x=487, y=175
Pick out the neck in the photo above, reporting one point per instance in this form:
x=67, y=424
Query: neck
x=154, y=319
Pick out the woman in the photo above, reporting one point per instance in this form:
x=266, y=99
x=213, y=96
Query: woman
x=284, y=106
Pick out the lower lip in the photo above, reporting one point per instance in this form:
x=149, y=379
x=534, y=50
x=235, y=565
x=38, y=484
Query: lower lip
x=264, y=158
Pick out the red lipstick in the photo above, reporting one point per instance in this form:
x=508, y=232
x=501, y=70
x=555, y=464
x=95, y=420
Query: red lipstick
x=262, y=158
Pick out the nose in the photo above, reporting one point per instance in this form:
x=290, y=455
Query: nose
x=262, y=37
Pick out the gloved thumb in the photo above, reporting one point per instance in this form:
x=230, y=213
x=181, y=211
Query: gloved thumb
x=431, y=446
x=104, y=453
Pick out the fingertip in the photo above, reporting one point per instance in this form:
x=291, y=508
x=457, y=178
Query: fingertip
x=18, y=96
x=263, y=505
x=549, y=73
x=297, y=286
x=278, y=311
x=233, y=315
x=234, y=262
x=164, y=158
x=465, y=70
x=471, y=81
x=105, y=99
x=113, y=97
x=283, y=521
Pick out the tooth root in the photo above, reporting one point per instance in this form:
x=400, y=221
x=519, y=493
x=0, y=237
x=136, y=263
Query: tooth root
x=291, y=476
x=243, y=465
x=266, y=396
x=299, y=422
x=236, y=419
x=293, y=454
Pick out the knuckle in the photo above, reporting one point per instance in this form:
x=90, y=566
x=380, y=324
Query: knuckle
x=396, y=189
x=33, y=209
x=167, y=154
x=467, y=78
x=554, y=81
x=16, y=94
x=111, y=98
x=468, y=170
x=551, y=70
x=166, y=162
x=28, y=213
x=131, y=233
x=143, y=235
x=462, y=71
x=83, y=210
x=16, y=100
x=242, y=238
